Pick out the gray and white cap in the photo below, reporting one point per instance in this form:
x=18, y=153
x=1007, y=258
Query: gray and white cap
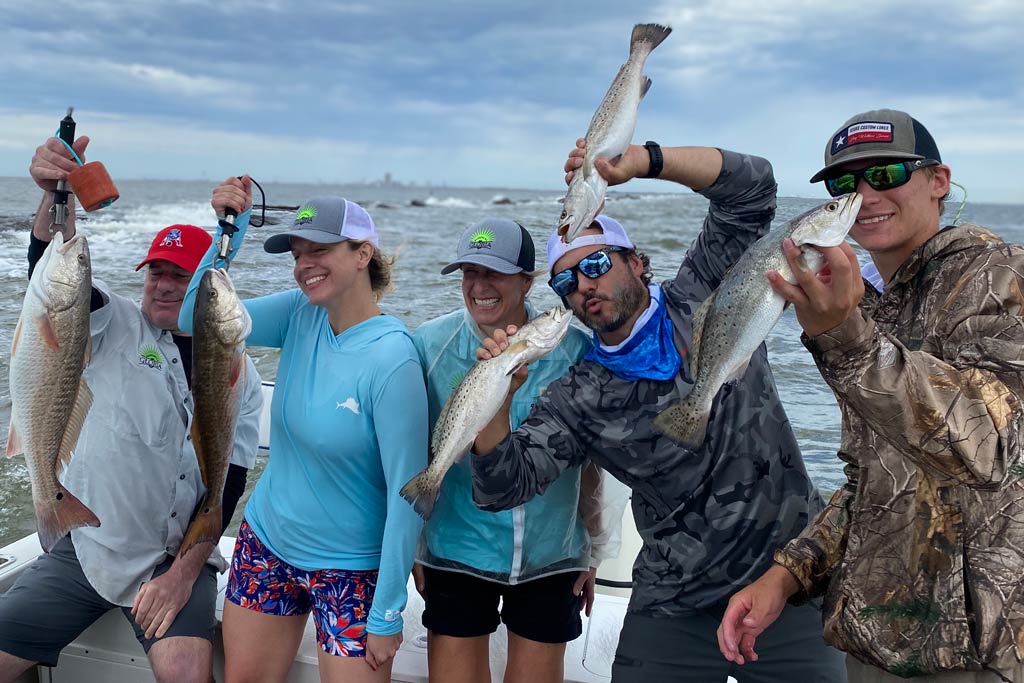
x=326, y=220
x=496, y=243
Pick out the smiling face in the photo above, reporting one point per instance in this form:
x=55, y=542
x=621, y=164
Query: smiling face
x=611, y=303
x=162, y=293
x=892, y=223
x=495, y=300
x=327, y=272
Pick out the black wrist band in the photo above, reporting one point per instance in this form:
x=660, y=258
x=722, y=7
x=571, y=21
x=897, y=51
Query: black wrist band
x=657, y=159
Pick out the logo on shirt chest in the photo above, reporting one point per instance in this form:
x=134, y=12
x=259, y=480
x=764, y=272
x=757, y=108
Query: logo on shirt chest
x=151, y=357
x=349, y=404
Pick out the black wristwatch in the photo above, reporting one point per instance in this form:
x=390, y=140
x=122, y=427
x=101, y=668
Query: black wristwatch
x=657, y=159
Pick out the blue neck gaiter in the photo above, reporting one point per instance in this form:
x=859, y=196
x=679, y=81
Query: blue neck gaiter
x=650, y=354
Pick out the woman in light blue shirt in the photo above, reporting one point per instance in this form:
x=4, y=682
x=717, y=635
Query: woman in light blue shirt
x=325, y=529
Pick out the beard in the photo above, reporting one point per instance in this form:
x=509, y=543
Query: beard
x=626, y=300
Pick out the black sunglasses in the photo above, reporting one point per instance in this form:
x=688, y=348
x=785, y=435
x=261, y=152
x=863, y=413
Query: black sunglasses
x=879, y=177
x=592, y=266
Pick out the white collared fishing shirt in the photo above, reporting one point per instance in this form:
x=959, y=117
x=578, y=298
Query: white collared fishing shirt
x=134, y=465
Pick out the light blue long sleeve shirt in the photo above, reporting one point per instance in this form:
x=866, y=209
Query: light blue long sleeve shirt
x=545, y=536
x=348, y=430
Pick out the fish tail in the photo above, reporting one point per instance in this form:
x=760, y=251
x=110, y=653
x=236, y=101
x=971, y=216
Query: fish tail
x=205, y=528
x=685, y=423
x=55, y=520
x=648, y=36
x=421, y=492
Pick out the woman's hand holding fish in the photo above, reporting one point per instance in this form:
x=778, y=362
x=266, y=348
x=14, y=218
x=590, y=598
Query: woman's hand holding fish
x=234, y=193
x=381, y=649
x=53, y=162
x=825, y=300
x=632, y=164
x=494, y=345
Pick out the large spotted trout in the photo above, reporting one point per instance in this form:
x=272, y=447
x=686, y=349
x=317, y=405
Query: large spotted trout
x=610, y=131
x=732, y=322
x=477, y=399
x=220, y=325
x=49, y=399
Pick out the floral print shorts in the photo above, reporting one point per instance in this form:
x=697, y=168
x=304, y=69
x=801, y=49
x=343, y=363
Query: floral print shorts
x=339, y=598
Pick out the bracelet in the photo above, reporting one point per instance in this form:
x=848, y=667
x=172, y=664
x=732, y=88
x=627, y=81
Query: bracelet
x=657, y=159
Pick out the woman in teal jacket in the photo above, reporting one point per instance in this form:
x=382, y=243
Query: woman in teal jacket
x=537, y=557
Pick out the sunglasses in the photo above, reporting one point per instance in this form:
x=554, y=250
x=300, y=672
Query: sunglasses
x=880, y=177
x=592, y=266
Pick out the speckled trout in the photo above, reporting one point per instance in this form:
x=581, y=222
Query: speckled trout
x=610, y=131
x=732, y=322
x=220, y=325
x=477, y=399
x=49, y=398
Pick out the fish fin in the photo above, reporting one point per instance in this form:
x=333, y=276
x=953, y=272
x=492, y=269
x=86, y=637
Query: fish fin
x=87, y=356
x=205, y=528
x=237, y=368
x=684, y=423
x=421, y=494
x=14, y=447
x=17, y=338
x=54, y=519
x=645, y=87
x=83, y=401
x=44, y=324
x=648, y=35
x=698, y=320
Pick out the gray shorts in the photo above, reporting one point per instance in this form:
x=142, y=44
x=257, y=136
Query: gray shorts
x=664, y=650
x=52, y=603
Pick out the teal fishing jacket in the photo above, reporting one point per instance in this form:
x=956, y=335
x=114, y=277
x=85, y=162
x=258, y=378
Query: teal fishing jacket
x=546, y=535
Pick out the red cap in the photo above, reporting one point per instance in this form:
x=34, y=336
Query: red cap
x=182, y=245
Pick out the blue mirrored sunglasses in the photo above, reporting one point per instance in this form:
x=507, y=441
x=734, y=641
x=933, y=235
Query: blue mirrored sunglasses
x=592, y=266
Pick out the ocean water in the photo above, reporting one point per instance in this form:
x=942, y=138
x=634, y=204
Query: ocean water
x=423, y=223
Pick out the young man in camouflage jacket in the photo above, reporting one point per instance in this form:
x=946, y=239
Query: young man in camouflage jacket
x=710, y=518
x=920, y=556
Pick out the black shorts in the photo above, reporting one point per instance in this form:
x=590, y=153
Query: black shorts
x=52, y=603
x=464, y=606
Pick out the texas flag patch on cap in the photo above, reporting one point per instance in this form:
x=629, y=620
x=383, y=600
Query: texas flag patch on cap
x=867, y=131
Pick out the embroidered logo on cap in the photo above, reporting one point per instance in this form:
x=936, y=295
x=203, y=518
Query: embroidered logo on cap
x=172, y=239
x=305, y=215
x=866, y=131
x=481, y=239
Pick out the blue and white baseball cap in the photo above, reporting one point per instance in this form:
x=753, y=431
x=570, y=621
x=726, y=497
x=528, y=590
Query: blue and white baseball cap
x=326, y=220
x=613, y=235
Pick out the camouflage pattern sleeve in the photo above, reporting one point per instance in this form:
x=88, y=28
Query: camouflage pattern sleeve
x=953, y=405
x=812, y=555
x=531, y=457
x=741, y=211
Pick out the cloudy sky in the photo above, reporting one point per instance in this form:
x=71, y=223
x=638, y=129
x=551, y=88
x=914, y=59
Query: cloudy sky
x=479, y=93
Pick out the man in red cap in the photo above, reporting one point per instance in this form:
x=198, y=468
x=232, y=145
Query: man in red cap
x=134, y=466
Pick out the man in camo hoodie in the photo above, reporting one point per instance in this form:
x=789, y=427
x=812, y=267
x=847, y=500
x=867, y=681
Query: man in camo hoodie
x=709, y=518
x=920, y=556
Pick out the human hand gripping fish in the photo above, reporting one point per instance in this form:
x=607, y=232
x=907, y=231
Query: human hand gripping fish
x=610, y=132
x=499, y=371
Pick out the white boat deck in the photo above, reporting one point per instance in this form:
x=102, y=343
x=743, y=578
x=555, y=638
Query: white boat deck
x=108, y=651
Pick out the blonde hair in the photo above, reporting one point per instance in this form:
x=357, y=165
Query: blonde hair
x=379, y=268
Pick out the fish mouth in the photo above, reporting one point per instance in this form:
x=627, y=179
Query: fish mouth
x=563, y=229
x=836, y=226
